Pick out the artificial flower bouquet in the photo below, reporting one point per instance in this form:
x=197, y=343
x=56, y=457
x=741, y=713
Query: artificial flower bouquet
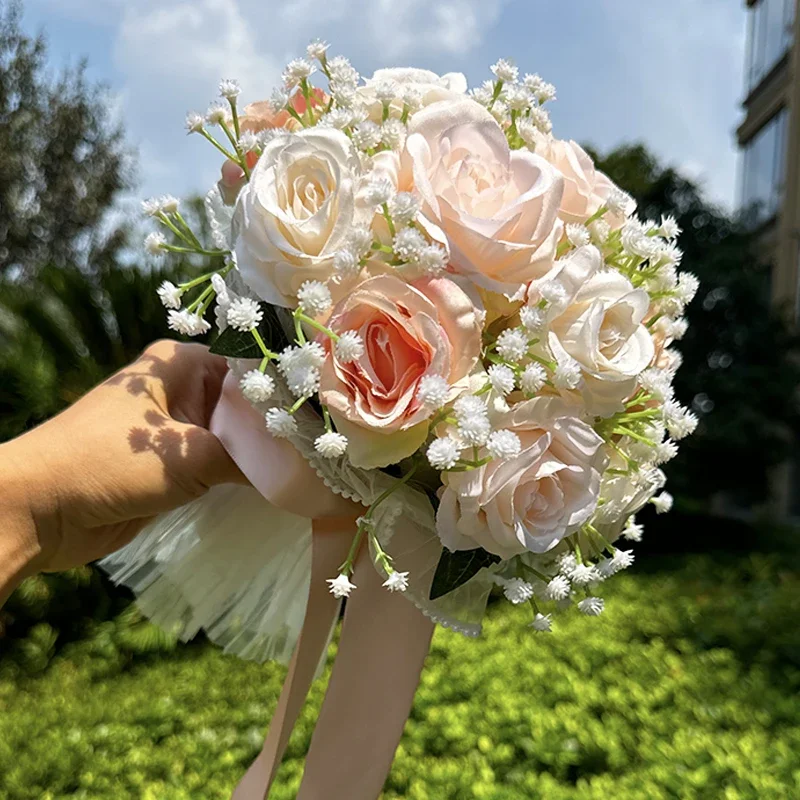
x=456, y=319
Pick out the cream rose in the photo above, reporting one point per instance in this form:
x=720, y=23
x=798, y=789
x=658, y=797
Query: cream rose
x=254, y=118
x=427, y=85
x=599, y=324
x=530, y=502
x=497, y=207
x=295, y=213
x=428, y=327
x=586, y=189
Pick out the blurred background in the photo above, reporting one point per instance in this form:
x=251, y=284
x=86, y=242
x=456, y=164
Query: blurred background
x=687, y=686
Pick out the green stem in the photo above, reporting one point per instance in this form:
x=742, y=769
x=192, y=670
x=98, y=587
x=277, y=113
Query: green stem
x=498, y=87
x=381, y=556
x=623, y=431
x=165, y=220
x=535, y=572
x=216, y=144
x=268, y=354
x=235, y=116
x=207, y=276
x=231, y=138
x=299, y=333
x=208, y=292
x=597, y=214
x=347, y=566
x=599, y=536
x=632, y=464
x=182, y=222
x=199, y=251
x=292, y=113
x=299, y=402
x=316, y=325
x=389, y=220
x=391, y=490
x=577, y=550
x=306, y=90
x=326, y=416
x=208, y=301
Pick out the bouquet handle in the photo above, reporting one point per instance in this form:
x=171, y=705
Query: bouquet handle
x=384, y=639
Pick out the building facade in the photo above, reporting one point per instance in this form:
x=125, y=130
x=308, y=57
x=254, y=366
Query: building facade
x=769, y=136
x=769, y=180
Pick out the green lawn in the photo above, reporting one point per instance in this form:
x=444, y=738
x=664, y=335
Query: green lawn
x=685, y=688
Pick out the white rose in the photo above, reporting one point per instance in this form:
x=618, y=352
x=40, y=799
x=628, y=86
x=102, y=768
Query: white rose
x=497, y=207
x=296, y=211
x=624, y=494
x=532, y=501
x=599, y=324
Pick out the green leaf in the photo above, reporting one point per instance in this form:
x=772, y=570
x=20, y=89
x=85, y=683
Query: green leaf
x=242, y=344
x=236, y=344
x=455, y=569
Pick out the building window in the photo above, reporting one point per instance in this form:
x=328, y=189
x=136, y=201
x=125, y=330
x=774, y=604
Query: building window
x=763, y=170
x=771, y=26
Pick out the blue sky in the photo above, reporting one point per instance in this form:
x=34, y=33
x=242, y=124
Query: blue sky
x=667, y=72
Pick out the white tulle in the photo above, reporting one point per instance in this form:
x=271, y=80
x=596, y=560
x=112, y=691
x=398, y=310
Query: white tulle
x=229, y=563
x=239, y=568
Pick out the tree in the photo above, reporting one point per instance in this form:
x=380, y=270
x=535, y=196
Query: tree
x=68, y=327
x=740, y=371
x=63, y=159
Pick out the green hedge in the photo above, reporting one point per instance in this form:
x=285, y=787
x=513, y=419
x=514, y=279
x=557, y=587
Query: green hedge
x=685, y=688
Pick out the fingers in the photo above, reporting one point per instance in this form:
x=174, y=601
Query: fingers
x=187, y=377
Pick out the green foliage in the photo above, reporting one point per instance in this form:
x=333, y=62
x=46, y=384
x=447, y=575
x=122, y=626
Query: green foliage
x=67, y=330
x=63, y=161
x=234, y=343
x=736, y=340
x=686, y=687
x=455, y=569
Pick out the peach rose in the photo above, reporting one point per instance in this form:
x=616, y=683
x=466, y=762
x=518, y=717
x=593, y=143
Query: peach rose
x=296, y=212
x=428, y=327
x=530, y=502
x=600, y=325
x=585, y=188
x=497, y=207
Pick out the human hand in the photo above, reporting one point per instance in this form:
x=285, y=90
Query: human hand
x=84, y=483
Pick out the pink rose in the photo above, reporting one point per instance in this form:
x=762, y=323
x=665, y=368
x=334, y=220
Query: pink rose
x=530, y=502
x=497, y=207
x=429, y=327
x=585, y=188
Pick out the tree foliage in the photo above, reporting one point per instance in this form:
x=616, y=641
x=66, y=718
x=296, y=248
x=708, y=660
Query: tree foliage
x=740, y=372
x=63, y=159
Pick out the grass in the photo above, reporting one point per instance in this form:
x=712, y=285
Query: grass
x=685, y=688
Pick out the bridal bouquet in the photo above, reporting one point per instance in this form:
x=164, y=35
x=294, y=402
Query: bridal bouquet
x=451, y=313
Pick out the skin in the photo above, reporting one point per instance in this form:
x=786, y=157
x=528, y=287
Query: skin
x=86, y=482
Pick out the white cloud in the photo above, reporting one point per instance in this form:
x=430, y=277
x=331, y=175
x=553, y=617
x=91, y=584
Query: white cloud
x=171, y=57
x=666, y=72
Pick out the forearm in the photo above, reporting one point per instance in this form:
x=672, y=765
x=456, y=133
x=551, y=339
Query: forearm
x=19, y=545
